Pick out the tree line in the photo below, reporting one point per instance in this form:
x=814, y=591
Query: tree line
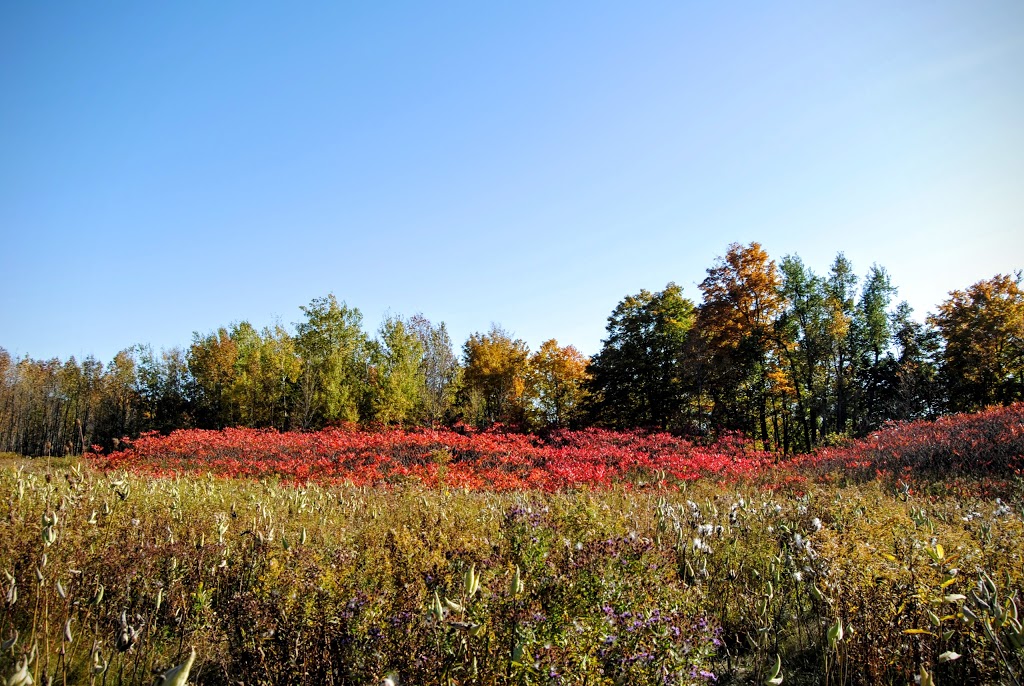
x=790, y=358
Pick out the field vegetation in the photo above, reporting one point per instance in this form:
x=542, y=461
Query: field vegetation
x=781, y=482
x=488, y=558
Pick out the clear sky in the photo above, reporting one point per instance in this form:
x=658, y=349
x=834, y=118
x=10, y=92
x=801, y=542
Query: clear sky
x=173, y=167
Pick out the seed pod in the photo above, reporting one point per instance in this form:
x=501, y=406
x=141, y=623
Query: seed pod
x=990, y=585
x=518, y=586
x=99, y=665
x=21, y=676
x=436, y=608
x=775, y=677
x=978, y=601
x=835, y=633
x=67, y=631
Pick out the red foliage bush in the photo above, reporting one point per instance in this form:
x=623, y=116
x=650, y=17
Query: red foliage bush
x=492, y=460
x=981, y=444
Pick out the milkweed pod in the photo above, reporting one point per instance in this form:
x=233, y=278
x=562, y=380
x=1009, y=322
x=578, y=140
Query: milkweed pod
x=159, y=598
x=948, y=656
x=926, y=678
x=98, y=597
x=979, y=601
x=775, y=676
x=453, y=606
x=21, y=676
x=436, y=608
x=471, y=581
x=517, y=586
x=67, y=631
x=99, y=665
x=302, y=537
x=835, y=633
x=178, y=676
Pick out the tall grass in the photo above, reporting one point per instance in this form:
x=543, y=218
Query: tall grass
x=112, y=579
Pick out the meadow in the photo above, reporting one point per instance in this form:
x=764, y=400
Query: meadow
x=462, y=557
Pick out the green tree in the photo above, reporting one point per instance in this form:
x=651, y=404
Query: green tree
x=335, y=354
x=876, y=367
x=280, y=370
x=638, y=376
x=162, y=385
x=840, y=298
x=918, y=390
x=442, y=374
x=397, y=378
x=804, y=342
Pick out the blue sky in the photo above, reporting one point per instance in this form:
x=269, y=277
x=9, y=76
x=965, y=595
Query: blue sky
x=173, y=167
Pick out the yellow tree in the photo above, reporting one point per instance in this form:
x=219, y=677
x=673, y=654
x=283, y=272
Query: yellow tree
x=495, y=378
x=741, y=303
x=558, y=378
x=983, y=330
x=211, y=364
